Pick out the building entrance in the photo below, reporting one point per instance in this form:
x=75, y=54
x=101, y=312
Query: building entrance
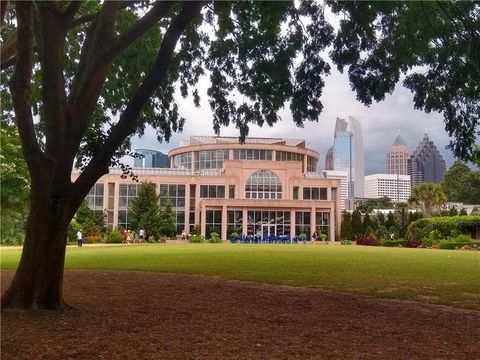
x=269, y=230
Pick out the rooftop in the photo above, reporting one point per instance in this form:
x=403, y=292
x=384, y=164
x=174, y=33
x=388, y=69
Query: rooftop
x=201, y=140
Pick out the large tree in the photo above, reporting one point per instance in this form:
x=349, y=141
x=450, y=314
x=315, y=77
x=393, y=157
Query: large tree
x=94, y=74
x=430, y=197
x=76, y=63
x=461, y=184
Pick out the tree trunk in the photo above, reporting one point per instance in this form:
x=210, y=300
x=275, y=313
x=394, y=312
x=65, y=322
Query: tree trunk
x=38, y=281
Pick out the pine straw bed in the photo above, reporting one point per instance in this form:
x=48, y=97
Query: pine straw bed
x=137, y=315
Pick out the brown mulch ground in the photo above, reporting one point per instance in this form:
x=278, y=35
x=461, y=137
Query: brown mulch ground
x=135, y=315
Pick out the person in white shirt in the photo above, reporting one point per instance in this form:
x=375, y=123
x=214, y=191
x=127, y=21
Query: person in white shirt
x=141, y=235
x=79, y=238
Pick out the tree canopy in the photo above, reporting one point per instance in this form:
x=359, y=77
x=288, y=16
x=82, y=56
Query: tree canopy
x=433, y=47
x=461, y=184
x=430, y=197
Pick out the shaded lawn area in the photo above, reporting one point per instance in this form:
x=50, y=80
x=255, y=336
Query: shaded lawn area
x=431, y=276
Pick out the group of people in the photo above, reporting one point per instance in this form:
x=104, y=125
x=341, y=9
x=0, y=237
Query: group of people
x=129, y=236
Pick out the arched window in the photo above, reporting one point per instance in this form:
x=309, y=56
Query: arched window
x=263, y=184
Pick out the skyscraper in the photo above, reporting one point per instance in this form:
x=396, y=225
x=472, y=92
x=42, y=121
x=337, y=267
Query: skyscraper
x=348, y=154
x=151, y=159
x=329, y=159
x=397, y=157
x=426, y=163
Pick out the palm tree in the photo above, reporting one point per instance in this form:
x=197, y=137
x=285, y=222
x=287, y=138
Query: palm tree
x=430, y=197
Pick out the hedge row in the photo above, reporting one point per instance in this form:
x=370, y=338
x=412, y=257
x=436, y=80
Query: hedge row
x=448, y=226
x=452, y=245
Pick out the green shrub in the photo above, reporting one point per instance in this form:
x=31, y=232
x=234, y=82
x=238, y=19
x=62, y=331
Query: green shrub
x=462, y=238
x=195, y=239
x=453, y=245
x=93, y=239
x=346, y=242
x=115, y=237
x=72, y=230
x=214, y=238
x=381, y=233
x=394, y=243
x=14, y=238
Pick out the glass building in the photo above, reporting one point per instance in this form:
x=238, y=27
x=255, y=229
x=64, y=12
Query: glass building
x=426, y=163
x=150, y=159
x=348, y=154
x=265, y=186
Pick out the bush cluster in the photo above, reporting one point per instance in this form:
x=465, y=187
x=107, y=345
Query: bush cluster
x=115, y=237
x=367, y=240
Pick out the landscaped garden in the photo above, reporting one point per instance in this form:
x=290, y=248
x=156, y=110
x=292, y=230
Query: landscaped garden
x=432, y=276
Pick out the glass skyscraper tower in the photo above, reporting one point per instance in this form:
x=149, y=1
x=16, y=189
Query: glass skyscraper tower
x=348, y=154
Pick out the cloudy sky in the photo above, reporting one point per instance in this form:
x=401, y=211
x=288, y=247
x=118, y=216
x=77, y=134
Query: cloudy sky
x=380, y=123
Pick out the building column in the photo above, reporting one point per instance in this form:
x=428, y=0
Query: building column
x=305, y=167
x=292, y=223
x=313, y=221
x=332, y=225
x=203, y=219
x=244, y=221
x=116, y=200
x=197, y=205
x=224, y=223
x=186, y=225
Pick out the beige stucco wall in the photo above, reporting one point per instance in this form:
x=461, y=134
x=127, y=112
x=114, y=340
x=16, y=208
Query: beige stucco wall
x=237, y=172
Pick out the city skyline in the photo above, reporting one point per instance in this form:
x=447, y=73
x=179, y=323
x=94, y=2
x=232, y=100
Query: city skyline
x=381, y=123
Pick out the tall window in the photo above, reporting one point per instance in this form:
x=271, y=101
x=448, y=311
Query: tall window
x=94, y=197
x=176, y=193
x=127, y=192
x=263, y=184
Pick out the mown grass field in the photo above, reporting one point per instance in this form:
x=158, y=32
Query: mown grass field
x=433, y=276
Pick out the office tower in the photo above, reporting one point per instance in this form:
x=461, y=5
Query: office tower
x=329, y=159
x=151, y=159
x=397, y=157
x=426, y=163
x=348, y=154
x=343, y=177
x=394, y=186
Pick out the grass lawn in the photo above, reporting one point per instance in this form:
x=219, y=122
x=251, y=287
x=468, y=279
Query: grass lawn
x=434, y=276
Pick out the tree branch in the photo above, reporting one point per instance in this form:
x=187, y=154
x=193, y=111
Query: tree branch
x=128, y=122
x=159, y=10
x=51, y=43
x=71, y=10
x=21, y=89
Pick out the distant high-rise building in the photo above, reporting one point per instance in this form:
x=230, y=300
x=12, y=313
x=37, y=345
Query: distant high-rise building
x=329, y=159
x=426, y=163
x=394, y=186
x=397, y=157
x=348, y=154
x=151, y=159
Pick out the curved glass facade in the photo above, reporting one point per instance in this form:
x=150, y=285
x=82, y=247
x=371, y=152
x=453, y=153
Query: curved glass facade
x=252, y=154
x=263, y=184
x=182, y=161
x=210, y=159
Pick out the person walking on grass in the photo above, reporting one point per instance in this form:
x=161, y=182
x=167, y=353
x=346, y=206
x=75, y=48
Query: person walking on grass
x=79, y=238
